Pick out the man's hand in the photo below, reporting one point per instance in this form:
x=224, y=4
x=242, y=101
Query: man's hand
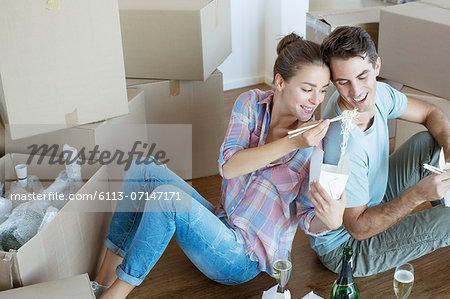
x=328, y=210
x=433, y=187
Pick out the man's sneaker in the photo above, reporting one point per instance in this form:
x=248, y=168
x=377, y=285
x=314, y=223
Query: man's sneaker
x=98, y=289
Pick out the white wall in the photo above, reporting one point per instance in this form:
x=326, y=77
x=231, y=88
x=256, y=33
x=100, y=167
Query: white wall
x=256, y=28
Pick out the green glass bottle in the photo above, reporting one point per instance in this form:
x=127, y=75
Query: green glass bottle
x=344, y=287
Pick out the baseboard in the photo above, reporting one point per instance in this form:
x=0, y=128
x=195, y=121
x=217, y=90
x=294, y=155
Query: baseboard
x=244, y=82
x=268, y=80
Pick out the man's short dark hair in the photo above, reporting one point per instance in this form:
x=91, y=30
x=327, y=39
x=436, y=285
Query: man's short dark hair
x=346, y=42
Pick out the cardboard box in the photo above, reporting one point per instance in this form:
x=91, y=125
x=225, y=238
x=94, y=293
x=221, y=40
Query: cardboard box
x=116, y=134
x=2, y=139
x=320, y=24
x=322, y=5
x=196, y=103
x=184, y=40
x=62, y=67
x=76, y=287
x=406, y=129
x=69, y=245
x=81, y=136
x=410, y=54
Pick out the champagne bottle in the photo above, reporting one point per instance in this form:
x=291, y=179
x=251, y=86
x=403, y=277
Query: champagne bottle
x=344, y=287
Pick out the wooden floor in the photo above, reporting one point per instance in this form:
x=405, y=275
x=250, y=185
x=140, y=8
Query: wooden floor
x=174, y=276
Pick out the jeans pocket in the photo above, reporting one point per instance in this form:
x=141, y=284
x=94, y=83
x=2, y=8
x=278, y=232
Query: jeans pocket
x=237, y=235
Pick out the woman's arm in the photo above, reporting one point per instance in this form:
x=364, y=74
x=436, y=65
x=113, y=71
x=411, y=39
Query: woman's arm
x=250, y=159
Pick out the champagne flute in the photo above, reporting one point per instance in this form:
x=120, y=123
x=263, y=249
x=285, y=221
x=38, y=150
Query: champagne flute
x=403, y=280
x=282, y=267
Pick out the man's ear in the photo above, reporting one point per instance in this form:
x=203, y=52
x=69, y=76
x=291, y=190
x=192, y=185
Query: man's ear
x=378, y=66
x=279, y=82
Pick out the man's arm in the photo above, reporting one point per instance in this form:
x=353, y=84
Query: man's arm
x=432, y=118
x=363, y=222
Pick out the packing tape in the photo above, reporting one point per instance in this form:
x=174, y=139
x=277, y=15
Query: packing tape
x=52, y=4
x=72, y=118
x=174, y=87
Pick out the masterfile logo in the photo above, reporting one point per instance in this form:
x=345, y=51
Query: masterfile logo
x=141, y=152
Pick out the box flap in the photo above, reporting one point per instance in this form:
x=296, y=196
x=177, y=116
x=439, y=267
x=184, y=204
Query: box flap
x=76, y=287
x=132, y=82
x=6, y=281
x=327, y=5
x=412, y=92
x=351, y=17
x=438, y=3
x=173, y=5
x=426, y=11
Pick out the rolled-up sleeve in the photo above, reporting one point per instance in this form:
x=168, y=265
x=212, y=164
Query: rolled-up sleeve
x=306, y=214
x=239, y=129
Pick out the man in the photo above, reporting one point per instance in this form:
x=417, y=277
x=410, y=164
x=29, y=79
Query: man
x=381, y=191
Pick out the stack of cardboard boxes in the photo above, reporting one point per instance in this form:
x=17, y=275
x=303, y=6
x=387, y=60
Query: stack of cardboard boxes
x=413, y=42
x=181, y=43
x=63, y=80
x=60, y=67
x=410, y=55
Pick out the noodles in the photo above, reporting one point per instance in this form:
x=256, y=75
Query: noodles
x=346, y=127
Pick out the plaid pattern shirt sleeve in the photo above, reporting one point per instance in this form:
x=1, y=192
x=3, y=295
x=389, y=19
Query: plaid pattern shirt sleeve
x=306, y=212
x=306, y=215
x=237, y=136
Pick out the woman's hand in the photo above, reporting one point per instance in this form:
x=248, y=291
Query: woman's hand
x=329, y=211
x=312, y=136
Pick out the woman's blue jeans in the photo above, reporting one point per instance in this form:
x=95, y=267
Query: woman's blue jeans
x=158, y=205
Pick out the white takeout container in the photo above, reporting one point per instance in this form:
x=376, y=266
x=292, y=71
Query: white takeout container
x=329, y=177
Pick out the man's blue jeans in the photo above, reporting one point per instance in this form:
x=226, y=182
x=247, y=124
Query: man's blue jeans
x=158, y=205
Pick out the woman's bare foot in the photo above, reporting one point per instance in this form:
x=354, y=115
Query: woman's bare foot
x=106, y=275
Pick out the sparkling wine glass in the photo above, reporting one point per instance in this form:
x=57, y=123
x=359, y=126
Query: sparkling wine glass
x=403, y=280
x=282, y=267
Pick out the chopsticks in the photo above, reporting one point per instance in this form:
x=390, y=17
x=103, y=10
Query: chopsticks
x=433, y=169
x=299, y=131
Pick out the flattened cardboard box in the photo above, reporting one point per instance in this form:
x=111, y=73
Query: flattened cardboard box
x=414, y=45
x=61, y=67
x=72, y=243
x=197, y=103
x=177, y=39
x=406, y=129
x=119, y=133
x=76, y=287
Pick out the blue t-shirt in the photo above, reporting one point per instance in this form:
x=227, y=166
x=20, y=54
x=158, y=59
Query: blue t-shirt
x=368, y=153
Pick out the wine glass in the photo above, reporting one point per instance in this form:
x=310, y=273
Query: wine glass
x=403, y=280
x=282, y=267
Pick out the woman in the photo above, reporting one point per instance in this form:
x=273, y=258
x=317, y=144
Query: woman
x=265, y=174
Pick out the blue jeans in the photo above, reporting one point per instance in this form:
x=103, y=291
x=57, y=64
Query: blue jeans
x=140, y=230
